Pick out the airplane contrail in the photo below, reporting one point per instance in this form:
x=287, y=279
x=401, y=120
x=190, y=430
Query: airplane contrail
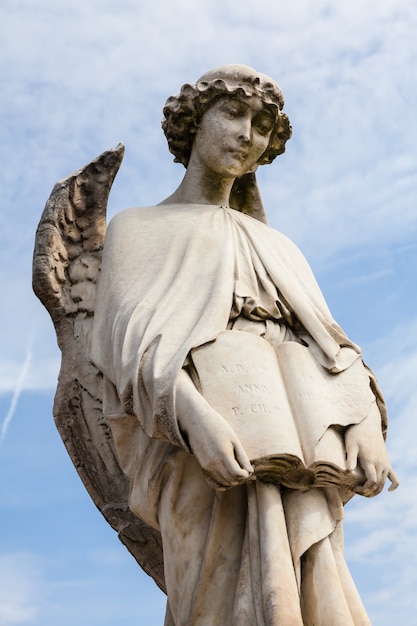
x=17, y=391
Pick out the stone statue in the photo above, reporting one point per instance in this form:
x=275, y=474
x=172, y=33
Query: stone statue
x=216, y=413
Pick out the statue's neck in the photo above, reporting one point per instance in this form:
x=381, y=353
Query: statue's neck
x=200, y=186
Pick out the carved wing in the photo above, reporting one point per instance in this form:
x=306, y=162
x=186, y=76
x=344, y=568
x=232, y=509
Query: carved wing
x=66, y=265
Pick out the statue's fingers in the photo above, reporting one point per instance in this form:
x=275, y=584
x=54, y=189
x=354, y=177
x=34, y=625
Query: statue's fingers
x=352, y=456
x=215, y=479
x=380, y=483
x=370, y=472
x=394, y=480
x=237, y=475
x=225, y=473
x=371, y=481
x=242, y=458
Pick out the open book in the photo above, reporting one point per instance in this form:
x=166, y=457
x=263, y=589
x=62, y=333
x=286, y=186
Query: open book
x=287, y=410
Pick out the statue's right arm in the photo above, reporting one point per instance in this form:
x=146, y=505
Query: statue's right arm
x=212, y=441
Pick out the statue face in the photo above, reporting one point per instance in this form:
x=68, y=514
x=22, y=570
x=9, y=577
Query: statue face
x=233, y=134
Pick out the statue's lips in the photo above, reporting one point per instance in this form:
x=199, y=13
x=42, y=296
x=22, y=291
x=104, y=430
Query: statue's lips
x=239, y=153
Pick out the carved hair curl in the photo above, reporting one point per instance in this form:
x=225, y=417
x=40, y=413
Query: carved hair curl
x=183, y=113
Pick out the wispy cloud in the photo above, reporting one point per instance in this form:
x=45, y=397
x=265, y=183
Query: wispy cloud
x=381, y=533
x=94, y=73
x=19, y=589
x=24, y=371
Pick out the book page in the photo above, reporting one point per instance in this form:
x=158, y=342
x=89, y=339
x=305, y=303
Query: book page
x=240, y=378
x=320, y=399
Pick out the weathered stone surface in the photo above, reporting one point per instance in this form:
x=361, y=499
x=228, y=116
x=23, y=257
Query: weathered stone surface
x=66, y=266
x=199, y=310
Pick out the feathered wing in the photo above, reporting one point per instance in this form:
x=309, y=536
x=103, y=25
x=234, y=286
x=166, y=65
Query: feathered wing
x=66, y=266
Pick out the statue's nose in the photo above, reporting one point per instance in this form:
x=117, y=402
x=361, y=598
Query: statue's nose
x=245, y=130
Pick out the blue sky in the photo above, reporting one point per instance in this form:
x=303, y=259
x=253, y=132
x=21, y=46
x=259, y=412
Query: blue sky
x=76, y=79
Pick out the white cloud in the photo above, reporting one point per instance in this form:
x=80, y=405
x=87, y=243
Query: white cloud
x=19, y=386
x=77, y=77
x=85, y=589
x=382, y=532
x=20, y=589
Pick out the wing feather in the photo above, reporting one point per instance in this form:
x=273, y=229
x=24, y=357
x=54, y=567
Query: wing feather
x=66, y=266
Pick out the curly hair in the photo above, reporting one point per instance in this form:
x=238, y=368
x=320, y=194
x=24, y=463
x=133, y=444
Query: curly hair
x=183, y=113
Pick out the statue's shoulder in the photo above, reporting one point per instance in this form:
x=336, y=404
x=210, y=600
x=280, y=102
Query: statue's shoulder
x=267, y=233
x=139, y=215
x=132, y=220
x=133, y=214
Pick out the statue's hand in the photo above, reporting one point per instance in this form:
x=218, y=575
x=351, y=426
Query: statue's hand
x=218, y=451
x=213, y=442
x=365, y=447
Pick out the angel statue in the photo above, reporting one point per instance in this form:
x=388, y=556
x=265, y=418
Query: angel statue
x=218, y=416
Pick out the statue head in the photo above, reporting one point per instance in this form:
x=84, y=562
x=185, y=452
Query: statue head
x=183, y=113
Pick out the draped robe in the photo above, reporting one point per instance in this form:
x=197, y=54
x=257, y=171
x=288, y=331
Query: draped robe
x=171, y=280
